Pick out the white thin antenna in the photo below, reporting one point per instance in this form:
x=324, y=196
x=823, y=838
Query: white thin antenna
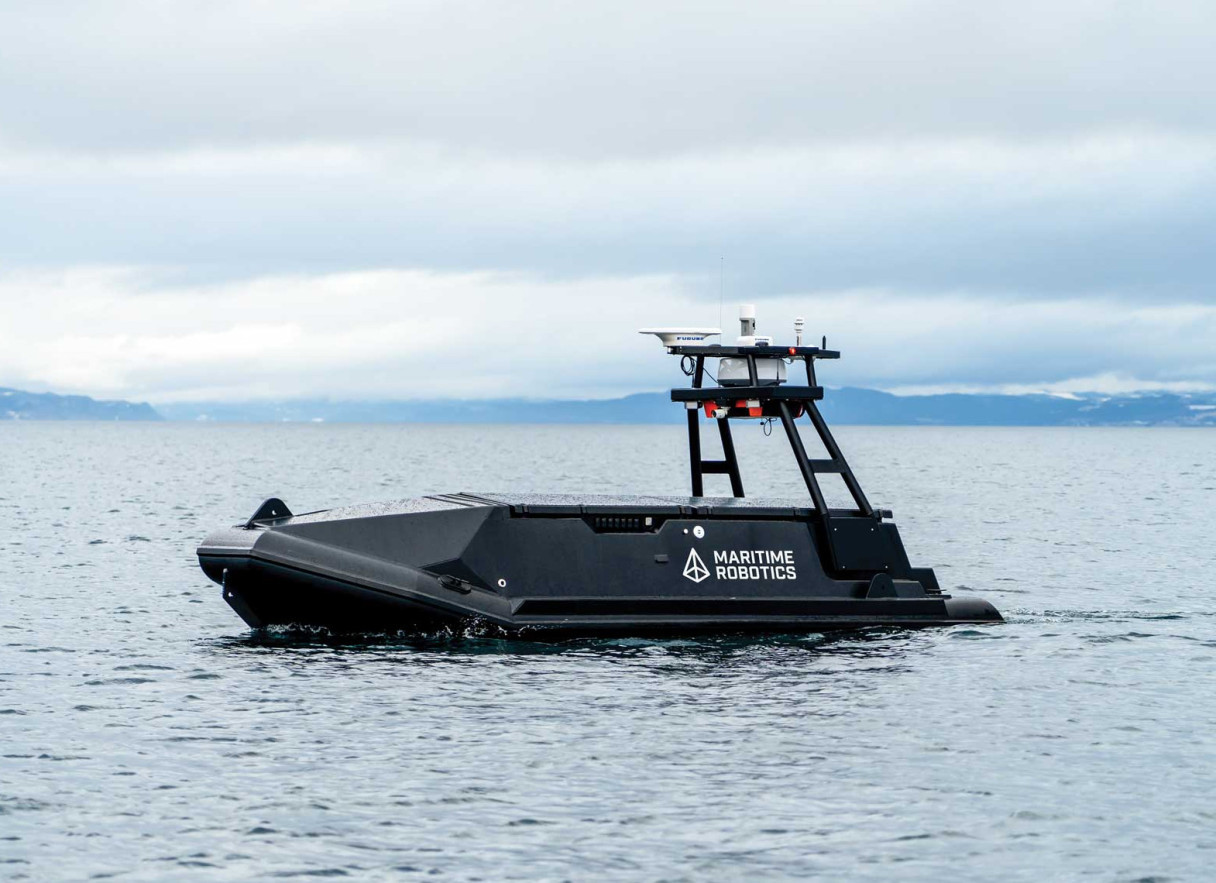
x=721, y=288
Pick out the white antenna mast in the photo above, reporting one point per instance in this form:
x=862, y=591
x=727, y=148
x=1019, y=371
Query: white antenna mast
x=721, y=288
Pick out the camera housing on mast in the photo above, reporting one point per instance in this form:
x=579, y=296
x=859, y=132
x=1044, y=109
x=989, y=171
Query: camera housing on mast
x=770, y=371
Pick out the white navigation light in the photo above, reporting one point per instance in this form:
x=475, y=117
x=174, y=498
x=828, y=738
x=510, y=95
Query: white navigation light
x=799, y=324
x=682, y=336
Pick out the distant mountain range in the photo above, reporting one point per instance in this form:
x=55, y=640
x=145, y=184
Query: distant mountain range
x=843, y=406
x=18, y=405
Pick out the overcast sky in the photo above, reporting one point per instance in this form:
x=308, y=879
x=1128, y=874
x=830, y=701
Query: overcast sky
x=277, y=199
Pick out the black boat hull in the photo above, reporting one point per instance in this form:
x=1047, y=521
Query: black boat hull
x=552, y=566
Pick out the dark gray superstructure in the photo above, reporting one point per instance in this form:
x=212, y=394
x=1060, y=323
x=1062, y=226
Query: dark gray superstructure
x=601, y=565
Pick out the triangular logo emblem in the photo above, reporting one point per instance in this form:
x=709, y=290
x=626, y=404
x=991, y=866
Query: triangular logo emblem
x=694, y=567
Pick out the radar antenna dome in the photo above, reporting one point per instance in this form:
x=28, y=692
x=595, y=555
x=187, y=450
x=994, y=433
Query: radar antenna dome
x=682, y=336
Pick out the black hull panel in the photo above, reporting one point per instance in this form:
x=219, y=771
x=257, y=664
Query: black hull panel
x=550, y=566
x=268, y=595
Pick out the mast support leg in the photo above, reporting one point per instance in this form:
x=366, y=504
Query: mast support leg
x=732, y=461
x=694, y=452
x=804, y=464
x=694, y=433
x=833, y=449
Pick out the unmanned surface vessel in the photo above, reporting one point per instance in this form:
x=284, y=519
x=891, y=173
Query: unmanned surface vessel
x=552, y=565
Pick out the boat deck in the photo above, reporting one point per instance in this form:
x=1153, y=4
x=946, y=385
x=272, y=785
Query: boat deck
x=608, y=504
x=572, y=505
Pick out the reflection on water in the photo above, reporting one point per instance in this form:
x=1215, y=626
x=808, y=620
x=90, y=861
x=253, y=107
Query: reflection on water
x=149, y=735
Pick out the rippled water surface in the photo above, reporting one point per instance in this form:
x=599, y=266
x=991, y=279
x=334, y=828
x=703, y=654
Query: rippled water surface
x=146, y=734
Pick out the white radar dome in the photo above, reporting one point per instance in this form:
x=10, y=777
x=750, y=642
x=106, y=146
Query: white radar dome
x=682, y=336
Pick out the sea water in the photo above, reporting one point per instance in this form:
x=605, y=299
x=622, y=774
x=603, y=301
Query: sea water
x=147, y=734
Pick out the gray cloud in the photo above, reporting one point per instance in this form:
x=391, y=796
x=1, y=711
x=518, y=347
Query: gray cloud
x=598, y=79
x=396, y=334
x=1110, y=213
x=1030, y=177
x=1113, y=214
